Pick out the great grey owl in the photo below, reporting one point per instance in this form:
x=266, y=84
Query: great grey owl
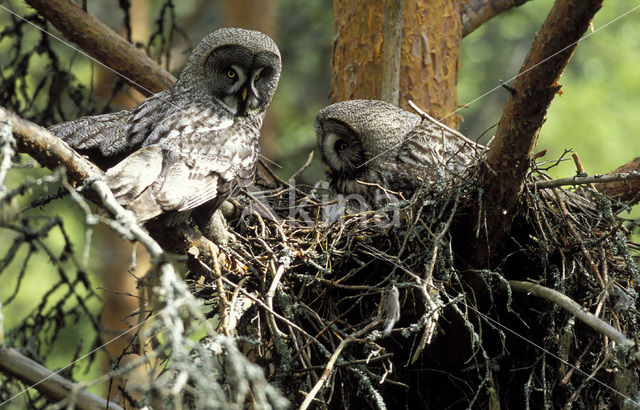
x=375, y=149
x=193, y=143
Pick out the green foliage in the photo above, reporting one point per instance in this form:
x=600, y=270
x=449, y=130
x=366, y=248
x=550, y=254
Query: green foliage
x=596, y=115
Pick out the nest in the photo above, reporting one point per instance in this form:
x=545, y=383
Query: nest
x=385, y=307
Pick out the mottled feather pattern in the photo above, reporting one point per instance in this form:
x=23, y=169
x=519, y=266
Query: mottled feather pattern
x=396, y=150
x=194, y=143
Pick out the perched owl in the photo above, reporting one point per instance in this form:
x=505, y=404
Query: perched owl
x=375, y=149
x=193, y=143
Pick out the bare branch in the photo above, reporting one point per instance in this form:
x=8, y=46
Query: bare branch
x=474, y=13
x=509, y=157
x=572, y=306
x=48, y=383
x=627, y=190
x=105, y=45
x=332, y=361
x=601, y=179
x=49, y=150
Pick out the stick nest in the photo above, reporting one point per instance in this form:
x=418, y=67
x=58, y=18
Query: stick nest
x=386, y=306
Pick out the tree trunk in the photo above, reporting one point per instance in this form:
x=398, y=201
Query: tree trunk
x=398, y=50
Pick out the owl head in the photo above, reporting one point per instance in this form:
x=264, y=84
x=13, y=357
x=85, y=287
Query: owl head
x=238, y=68
x=359, y=140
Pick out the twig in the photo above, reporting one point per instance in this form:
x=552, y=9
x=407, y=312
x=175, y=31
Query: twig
x=574, y=308
x=49, y=383
x=331, y=363
x=277, y=275
x=304, y=167
x=264, y=305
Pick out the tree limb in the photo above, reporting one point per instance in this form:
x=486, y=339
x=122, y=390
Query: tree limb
x=503, y=176
x=572, y=306
x=49, y=383
x=601, y=179
x=51, y=152
x=109, y=48
x=474, y=13
x=626, y=190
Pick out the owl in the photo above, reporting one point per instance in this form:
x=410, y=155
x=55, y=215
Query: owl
x=377, y=150
x=194, y=143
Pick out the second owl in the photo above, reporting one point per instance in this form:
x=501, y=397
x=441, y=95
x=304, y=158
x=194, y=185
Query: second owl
x=375, y=149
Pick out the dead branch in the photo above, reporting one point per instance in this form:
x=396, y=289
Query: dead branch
x=627, y=190
x=332, y=361
x=49, y=150
x=569, y=304
x=474, y=13
x=600, y=179
x=109, y=48
x=49, y=383
x=504, y=173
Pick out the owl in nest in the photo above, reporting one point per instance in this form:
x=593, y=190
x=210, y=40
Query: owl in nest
x=377, y=150
x=194, y=143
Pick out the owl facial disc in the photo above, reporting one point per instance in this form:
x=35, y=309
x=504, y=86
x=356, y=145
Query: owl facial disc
x=240, y=79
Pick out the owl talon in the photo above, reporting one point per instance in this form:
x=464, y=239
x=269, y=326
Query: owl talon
x=215, y=227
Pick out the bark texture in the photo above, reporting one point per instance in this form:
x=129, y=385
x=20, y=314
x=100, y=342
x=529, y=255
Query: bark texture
x=474, y=13
x=398, y=50
x=510, y=153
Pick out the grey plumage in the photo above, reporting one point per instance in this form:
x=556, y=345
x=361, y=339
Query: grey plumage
x=193, y=143
x=371, y=146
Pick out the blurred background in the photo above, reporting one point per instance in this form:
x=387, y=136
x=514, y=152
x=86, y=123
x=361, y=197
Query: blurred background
x=597, y=116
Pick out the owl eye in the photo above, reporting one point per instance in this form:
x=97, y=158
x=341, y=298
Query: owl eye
x=340, y=146
x=231, y=73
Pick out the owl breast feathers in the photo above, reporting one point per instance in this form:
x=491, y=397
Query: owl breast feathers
x=194, y=143
x=377, y=150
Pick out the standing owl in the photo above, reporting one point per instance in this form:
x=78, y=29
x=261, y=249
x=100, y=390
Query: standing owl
x=372, y=147
x=193, y=143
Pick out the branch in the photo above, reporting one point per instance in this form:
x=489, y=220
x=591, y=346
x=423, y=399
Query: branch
x=474, y=13
x=49, y=383
x=626, y=190
x=51, y=152
x=332, y=361
x=575, y=309
x=503, y=176
x=601, y=179
x=105, y=45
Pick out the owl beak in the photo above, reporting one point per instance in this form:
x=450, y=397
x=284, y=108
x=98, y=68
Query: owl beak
x=244, y=94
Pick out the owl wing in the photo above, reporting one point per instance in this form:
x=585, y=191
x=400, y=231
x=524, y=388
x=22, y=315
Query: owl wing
x=131, y=181
x=96, y=132
x=182, y=173
x=438, y=152
x=116, y=134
